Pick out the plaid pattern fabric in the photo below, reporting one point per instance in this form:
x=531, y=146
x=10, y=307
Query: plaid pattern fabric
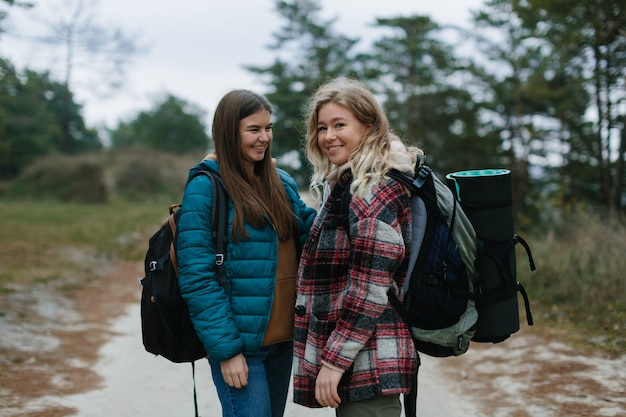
x=345, y=317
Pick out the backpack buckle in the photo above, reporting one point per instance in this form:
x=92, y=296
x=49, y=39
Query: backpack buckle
x=153, y=265
x=219, y=259
x=421, y=176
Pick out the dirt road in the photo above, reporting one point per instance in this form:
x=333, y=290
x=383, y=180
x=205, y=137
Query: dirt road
x=138, y=384
x=79, y=353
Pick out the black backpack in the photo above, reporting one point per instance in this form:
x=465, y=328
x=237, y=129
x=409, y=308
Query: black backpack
x=461, y=284
x=165, y=323
x=438, y=304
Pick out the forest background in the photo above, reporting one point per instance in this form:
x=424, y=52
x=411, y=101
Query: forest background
x=542, y=93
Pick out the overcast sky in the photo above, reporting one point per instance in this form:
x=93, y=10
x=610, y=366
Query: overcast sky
x=197, y=48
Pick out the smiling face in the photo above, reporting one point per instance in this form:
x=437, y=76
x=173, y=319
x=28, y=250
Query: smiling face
x=255, y=136
x=339, y=132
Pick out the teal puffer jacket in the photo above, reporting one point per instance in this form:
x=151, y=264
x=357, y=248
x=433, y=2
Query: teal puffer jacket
x=234, y=321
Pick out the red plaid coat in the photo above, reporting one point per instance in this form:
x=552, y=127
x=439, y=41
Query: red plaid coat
x=343, y=315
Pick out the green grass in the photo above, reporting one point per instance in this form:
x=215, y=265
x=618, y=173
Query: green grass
x=42, y=242
x=579, y=287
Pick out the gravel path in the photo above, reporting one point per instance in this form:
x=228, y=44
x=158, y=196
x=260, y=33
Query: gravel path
x=79, y=353
x=138, y=384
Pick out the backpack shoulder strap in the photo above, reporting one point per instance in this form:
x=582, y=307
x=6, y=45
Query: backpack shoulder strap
x=219, y=218
x=421, y=184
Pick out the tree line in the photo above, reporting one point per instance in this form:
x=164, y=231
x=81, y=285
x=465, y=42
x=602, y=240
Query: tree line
x=534, y=86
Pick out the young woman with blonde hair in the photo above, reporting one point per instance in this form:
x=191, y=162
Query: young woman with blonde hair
x=352, y=350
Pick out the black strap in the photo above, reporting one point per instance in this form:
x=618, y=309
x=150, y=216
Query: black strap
x=520, y=240
x=219, y=219
x=397, y=304
x=508, y=289
x=417, y=182
x=529, y=316
x=410, y=399
x=220, y=227
x=195, y=397
x=479, y=264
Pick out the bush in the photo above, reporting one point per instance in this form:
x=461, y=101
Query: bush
x=130, y=175
x=77, y=179
x=139, y=175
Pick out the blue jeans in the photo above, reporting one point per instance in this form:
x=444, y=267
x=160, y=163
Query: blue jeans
x=269, y=373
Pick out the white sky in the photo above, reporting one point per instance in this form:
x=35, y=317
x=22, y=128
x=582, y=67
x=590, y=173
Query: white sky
x=197, y=48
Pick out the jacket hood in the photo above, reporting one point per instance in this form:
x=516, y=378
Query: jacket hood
x=206, y=164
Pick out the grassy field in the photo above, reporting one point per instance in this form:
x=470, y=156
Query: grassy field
x=42, y=242
x=577, y=291
x=580, y=284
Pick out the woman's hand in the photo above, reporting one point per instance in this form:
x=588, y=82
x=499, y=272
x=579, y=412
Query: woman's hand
x=326, y=387
x=235, y=371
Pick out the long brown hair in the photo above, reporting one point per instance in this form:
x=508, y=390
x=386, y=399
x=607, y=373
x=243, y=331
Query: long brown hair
x=260, y=197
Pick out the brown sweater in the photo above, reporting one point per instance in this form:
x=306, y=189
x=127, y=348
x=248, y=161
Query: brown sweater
x=280, y=326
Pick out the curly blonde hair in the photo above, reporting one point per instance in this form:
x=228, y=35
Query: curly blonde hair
x=369, y=161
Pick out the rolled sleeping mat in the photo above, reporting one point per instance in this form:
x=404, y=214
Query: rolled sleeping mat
x=486, y=196
x=487, y=199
